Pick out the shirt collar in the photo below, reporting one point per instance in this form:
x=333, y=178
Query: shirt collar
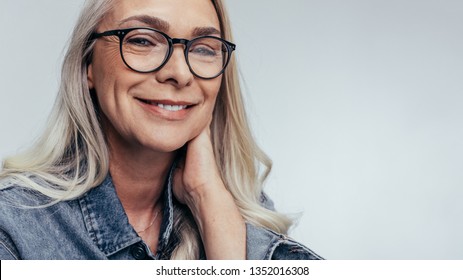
x=108, y=225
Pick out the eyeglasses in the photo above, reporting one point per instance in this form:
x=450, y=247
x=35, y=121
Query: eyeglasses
x=146, y=50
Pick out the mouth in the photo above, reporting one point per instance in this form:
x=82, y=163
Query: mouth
x=168, y=109
x=167, y=105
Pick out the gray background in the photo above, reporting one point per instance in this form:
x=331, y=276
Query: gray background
x=358, y=103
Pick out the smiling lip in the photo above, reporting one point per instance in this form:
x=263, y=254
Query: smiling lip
x=167, y=109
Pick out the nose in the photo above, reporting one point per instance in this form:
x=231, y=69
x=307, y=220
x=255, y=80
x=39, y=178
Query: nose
x=176, y=70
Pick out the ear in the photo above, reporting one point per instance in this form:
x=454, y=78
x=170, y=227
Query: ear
x=90, y=76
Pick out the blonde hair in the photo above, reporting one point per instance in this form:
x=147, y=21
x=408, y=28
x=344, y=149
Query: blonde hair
x=71, y=157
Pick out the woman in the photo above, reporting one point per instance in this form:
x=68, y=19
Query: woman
x=147, y=154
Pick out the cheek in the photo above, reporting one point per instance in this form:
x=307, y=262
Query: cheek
x=211, y=91
x=211, y=88
x=105, y=64
x=109, y=73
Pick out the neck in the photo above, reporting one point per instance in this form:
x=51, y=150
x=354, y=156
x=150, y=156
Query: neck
x=138, y=174
x=139, y=181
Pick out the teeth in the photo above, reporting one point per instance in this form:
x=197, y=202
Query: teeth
x=173, y=108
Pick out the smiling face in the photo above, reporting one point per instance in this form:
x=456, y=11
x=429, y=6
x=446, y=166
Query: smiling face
x=162, y=110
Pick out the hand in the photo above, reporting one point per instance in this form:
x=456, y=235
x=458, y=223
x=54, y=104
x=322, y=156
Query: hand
x=198, y=184
x=197, y=173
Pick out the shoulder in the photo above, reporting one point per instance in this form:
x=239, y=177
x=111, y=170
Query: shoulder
x=10, y=197
x=28, y=223
x=265, y=244
x=19, y=206
x=17, y=196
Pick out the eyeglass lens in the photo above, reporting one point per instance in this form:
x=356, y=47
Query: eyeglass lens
x=145, y=50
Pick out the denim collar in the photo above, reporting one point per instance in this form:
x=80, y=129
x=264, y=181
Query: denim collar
x=108, y=225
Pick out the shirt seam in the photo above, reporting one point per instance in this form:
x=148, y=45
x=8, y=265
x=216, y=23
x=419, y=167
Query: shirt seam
x=282, y=239
x=272, y=248
x=8, y=248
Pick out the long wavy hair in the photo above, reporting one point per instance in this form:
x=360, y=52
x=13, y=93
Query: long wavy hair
x=71, y=157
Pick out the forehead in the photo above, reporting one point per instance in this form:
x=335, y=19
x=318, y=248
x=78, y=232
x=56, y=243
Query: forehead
x=182, y=15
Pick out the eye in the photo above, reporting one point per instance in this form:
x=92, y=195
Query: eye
x=203, y=50
x=141, y=41
x=144, y=38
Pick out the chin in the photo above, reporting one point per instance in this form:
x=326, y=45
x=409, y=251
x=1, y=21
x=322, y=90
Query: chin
x=166, y=141
x=167, y=147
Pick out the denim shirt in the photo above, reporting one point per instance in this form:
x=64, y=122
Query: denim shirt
x=95, y=226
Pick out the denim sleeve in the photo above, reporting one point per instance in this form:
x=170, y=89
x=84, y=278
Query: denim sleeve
x=8, y=250
x=291, y=250
x=264, y=244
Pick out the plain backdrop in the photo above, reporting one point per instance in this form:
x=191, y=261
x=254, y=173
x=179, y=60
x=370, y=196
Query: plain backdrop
x=358, y=103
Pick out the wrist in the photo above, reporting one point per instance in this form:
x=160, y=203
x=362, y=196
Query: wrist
x=207, y=195
x=220, y=223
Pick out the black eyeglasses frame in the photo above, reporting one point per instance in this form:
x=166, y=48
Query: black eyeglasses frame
x=121, y=33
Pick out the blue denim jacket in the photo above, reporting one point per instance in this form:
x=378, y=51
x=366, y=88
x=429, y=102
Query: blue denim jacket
x=96, y=226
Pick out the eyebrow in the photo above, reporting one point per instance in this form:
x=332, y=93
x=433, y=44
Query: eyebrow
x=164, y=26
x=153, y=22
x=204, y=31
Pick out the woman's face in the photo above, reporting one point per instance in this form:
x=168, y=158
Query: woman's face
x=130, y=101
